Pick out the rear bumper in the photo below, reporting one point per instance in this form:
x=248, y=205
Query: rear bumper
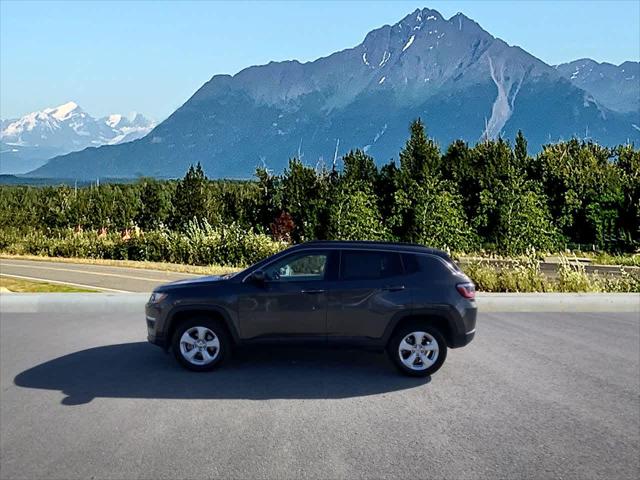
x=466, y=330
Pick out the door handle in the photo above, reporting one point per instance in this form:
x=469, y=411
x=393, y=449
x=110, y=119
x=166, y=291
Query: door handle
x=311, y=291
x=394, y=288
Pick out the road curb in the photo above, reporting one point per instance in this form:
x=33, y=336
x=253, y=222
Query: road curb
x=487, y=302
x=71, y=302
x=559, y=302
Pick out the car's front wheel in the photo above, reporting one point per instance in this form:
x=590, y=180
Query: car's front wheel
x=201, y=344
x=417, y=350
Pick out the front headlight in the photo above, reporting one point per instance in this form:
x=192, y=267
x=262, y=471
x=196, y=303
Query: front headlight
x=157, y=297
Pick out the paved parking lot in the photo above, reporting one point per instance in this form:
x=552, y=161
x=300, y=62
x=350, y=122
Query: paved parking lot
x=535, y=395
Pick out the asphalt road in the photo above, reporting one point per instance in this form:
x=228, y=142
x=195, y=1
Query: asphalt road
x=100, y=277
x=534, y=396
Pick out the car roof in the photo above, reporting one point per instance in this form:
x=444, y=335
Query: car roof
x=374, y=245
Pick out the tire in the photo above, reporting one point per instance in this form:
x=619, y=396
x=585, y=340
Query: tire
x=427, y=360
x=189, y=336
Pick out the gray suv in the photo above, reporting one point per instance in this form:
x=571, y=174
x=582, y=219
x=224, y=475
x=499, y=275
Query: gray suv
x=411, y=300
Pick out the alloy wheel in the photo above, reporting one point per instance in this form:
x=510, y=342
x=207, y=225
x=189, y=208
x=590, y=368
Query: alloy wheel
x=418, y=350
x=199, y=345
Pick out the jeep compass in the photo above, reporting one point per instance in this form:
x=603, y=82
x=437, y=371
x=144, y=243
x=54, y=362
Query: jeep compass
x=410, y=300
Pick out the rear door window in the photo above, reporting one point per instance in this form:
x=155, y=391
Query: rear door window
x=365, y=265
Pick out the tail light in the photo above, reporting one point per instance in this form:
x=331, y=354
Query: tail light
x=467, y=290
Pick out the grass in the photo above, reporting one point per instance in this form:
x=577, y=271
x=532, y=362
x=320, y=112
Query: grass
x=524, y=275
x=521, y=274
x=162, y=266
x=20, y=285
x=624, y=260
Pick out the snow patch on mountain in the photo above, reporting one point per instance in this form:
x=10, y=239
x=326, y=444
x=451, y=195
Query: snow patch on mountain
x=385, y=58
x=64, y=111
x=408, y=44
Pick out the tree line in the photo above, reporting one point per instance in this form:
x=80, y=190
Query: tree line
x=493, y=196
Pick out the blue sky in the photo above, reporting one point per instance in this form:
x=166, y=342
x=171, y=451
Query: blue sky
x=124, y=56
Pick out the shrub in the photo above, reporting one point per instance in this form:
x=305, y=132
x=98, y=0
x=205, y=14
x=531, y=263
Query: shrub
x=525, y=276
x=200, y=244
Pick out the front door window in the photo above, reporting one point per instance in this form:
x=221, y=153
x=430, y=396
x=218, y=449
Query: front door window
x=298, y=268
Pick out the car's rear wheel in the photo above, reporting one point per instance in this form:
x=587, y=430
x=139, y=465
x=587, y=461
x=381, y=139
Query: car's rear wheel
x=201, y=344
x=418, y=350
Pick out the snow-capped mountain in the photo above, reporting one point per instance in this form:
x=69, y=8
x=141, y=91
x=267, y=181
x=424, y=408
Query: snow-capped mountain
x=27, y=142
x=129, y=128
x=462, y=81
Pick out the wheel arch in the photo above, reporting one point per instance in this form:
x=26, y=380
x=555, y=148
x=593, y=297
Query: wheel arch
x=441, y=318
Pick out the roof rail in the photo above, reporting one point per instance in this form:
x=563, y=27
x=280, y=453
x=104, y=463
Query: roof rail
x=365, y=243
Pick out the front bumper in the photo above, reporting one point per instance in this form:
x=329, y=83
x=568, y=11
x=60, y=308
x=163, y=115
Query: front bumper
x=155, y=332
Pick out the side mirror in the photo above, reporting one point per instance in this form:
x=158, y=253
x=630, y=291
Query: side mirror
x=258, y=277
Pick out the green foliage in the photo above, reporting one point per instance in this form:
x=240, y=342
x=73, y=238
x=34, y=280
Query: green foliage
x=155, y=205
x=354, y=213
x=420, y=157
x=589, y=194
x=521, y=219
x=520, y=150
x=603, y=258
x=304, y=194
x=198, y=244
x=488, y=197
x=355, y=216
x=190, y=197
x=440, y=220
x=359, y=172
x=525, y=276
x=419, y=162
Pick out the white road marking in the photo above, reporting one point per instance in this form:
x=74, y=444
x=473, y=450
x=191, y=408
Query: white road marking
x=47, y=280
x=131, y=277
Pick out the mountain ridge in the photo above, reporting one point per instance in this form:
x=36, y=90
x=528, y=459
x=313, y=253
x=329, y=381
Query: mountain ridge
x=615, y=86
x=464, y=82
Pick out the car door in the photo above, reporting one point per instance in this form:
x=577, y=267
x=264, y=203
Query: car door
x=370, y=290
x=292, y=302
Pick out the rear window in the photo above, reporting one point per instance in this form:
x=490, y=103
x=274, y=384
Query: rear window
x=430, y=264
x=369, y=265
x=410, y=263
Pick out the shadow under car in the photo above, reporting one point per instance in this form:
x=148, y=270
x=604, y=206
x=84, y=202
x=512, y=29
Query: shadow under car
x=140, y=370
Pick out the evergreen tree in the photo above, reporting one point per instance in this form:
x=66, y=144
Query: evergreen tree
x=155, y=205
x=190, y=198
x=385, y=189
x=303, y=197
x=419, y=161
x=360, y=172
x=268, y=210
x=520, y=149
x=420, y=157
x=125, y=207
